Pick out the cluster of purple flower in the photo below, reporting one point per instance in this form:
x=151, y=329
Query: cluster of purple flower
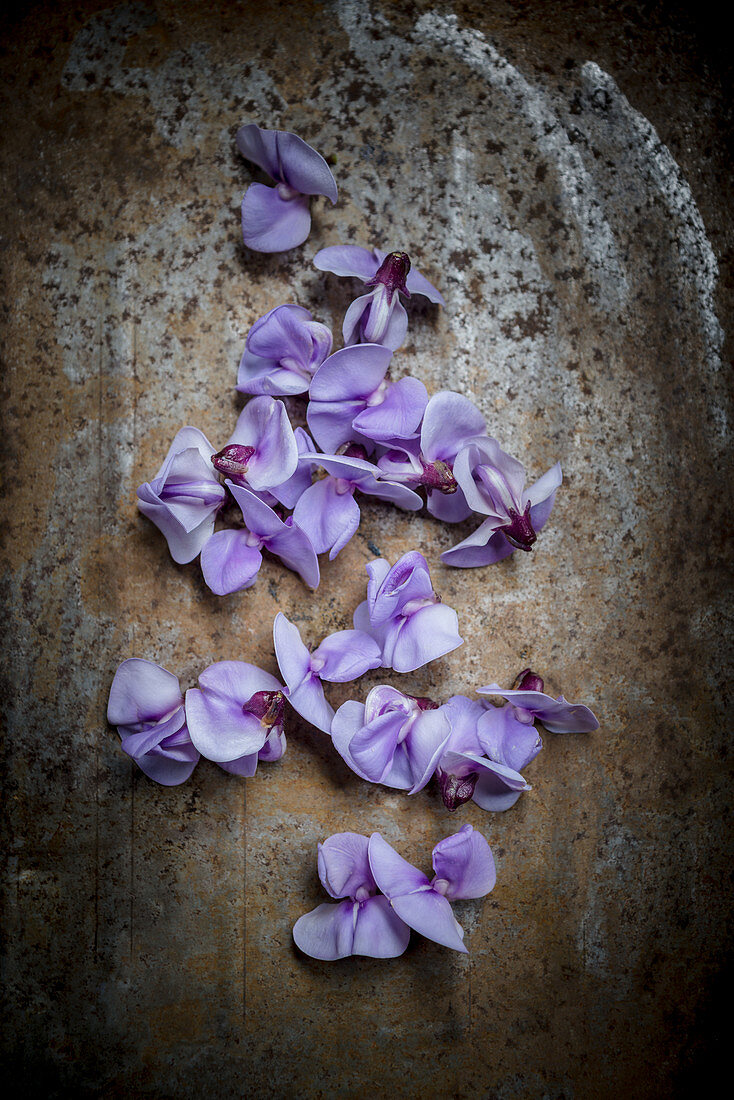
x=370, y=434
x=295, y=493
x=355, y=867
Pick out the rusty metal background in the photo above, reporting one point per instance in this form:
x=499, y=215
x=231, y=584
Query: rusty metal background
x=562, y=175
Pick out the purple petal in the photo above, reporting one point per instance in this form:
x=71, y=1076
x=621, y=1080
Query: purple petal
x=425, y=745
x=291, y=490
x=309, y=700
x=218, y=726
x=418, y=284
x=557, y=715
x=465, y=861
x=328, y=516
x=346, y=655
x=294, y=659
x=303, y=168
x=260, y=146
x=485, y=546
x=464, y=716
x=393, y=874
x=448, y=507
x=357, y=314
x=389, y=589
x=545, y=486
x=449, y=422
x=431, y=632
x=293, y=547
x=347, y=260
x=330, y=422
x=505, y=739
x=430, y=914
x=327, y=932
x=373, y=747
x=344, y=866
x=379, y=932
x=142, y=691
x=274, y=747
x=399, y=495
x=182, y=545
x=264, y=425
x=271, y=223
x=394, y=334
x=244, y=766
x=351, y=373
x=189, y=488
x=228, y=563
x=169, y=767
x=398, y=416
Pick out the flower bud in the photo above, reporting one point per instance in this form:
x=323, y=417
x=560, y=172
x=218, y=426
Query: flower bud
x=392, y=273
x=455, y=789
x=528, y=681
x=268, y=706
x=519, y=531
x=232, y=461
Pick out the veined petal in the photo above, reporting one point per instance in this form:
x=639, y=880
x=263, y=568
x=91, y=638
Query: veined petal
x=557, y=715
x=228, y=564
x=142, y=691
x=347, y=260
x=260, y=146
x=373, y=747
x=271, y=223
x=393, y=874
x=418, y=284
x=398, y=416
x=504, y=739
x=396, y=329
x=449, y=422
x=169, y=769
x=448, y=507
x=327, y=932
x=351, y=373
x=264, y=425
x=344, y=865
x=379, y=933
x=347, y=655
x=327, y=516
x=465, y=861
x=357, y=312
x=430, y=914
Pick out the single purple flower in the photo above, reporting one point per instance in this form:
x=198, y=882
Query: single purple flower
x=351, y=399
x=147, y=707
x=464, y=868
x=379, y=316
x=404, y=614
x=341, y=657
x=275, y=219
x=185, y=495
x=235, y=716
x=231, y=559
x=392, y=738
x=464, y=771
x=262, y=450
x=494, y=484
x=365, y=924
x=327, y=510
x=528, y=703
x=282, y=351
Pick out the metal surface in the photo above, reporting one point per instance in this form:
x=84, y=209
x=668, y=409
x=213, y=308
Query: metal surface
x=563, y=181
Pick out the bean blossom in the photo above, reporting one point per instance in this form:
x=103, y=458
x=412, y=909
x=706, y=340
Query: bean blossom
x=282, y=351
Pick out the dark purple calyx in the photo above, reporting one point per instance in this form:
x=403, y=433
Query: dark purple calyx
x=423, y=703
x=528, y=681
x=519, y=531
x=353, y=450
x=438, y=475
x=392, y=273
x=456, y=789
x=233, y=461
x=268, y=706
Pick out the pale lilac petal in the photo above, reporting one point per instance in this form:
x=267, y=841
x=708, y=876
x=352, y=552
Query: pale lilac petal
x=418, y=284
x=137, y=741
x=327, y=932
x=425, y=745
x=245, y=766
x=344, y=865
x=399, y=495
x=260, y=146
x=430, y=633
x=218, y=726
x=348, y=719
x=449, y=422
x=465, y=861
x=545, y=486
x=293, y=547
x=274, y=747
x=485, y=546
x=183, y=545
x=347, y=260
x=184, y=439
x=303, y=168
x=487, y=452
x=271, y=223
x=379, y=933
x=505, y=739
x=228, y=563
x=289, y=493
x=430, y=914
x=396, y=329
x=464, y=715
x=330, y=422
x=393, y=874
x=329, y=517
x=168, y=769
x=448, y=507
x=189, y=488
x=352, y=324
x=282, y=350
x=346, y=655
x=373, y=747
x=398, y=416
x=294, y=659
x=142, y=691
x=557, y=715
x=264, y=425
x=389, y=589
x=309, y=700
x=351, y=373
x=281, y=331
x=492, y=794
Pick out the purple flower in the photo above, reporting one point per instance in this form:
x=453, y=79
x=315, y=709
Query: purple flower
x=262, y=450
x=235, y=716
x=526, y=704
x=464, y=771
x=147, y=707
x=464, y=868
x=404, y=614
x=450, y=422
x=377, y=317
x=392, y=738
x=494, y=484
x=278, y=218
x=327, y=510
x=340, y=658
x=231, y=559
x=282, y=351
x=363, y=925
x=352, y=400
x=185, y=495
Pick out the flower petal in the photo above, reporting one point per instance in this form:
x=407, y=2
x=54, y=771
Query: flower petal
x=293, y=547
x=347, y=260
x=373, y=746
x=379, y=933
x=142, y=691
x=431, y=632
x=449, y=422
x=505, y=739
x=430, y=914
x=485, y=546
x=465, y=861
x=344, y=865
x=351, y=373
x=303, y=168
x=327, y=932
x=329, y=517
x=557, y=715
x=393, y=874
x=347, y=655
x=264, y=425
x=398, y=416
x=309, y=700
x=228, y=564
x=271, y=223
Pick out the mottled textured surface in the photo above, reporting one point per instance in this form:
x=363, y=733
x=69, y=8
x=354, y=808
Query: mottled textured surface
x=564, y=182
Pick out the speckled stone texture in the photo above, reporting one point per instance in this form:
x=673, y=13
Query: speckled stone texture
x=562, y=177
